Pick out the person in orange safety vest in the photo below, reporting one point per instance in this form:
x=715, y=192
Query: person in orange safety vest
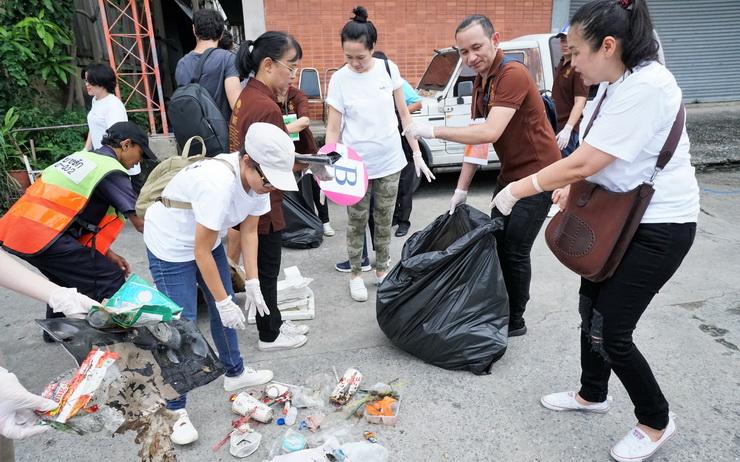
x=66, y=221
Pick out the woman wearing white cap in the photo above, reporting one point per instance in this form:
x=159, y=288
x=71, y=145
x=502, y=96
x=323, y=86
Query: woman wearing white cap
x=183, y=238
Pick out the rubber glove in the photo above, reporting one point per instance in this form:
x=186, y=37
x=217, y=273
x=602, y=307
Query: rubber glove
x=231, y=315
x=322, y=173
x=419, y=130
x=504, y=200
x=458, y=198
x=255, y=300
x=421, y=167
x=70, y=302
x=563, y=137
x=17, y=420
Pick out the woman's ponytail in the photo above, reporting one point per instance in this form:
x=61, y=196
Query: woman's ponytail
x=628, y=21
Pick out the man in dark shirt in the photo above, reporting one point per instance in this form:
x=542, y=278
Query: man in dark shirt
x=69, y=263
x=219, y=74
x=515, y=122
x=569, y=94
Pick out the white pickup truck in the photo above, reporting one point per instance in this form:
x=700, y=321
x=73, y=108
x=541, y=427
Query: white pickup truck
x=446, y=89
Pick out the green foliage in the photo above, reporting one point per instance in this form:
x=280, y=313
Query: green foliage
x=34, y=39
x=51, y=145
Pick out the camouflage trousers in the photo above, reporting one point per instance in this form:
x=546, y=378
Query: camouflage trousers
x=384, y=191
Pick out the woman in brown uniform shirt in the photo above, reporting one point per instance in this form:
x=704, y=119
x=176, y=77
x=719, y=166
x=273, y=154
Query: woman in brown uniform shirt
x=270, y=62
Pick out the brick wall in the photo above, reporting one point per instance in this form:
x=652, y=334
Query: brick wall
x=408, y=31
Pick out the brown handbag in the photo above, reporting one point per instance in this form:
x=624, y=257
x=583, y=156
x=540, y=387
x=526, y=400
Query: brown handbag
x=593, y=232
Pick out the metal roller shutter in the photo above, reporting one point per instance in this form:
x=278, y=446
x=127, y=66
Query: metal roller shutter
x=700, y=41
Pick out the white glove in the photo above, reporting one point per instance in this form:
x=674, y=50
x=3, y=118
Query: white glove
x=564, y=136
x=421, y=167
x=231, y=315
x=322, y=173
x=17, y=420
x=255, y=300
x=458, y=198
x=71, y=303
x=419, y=130
x=504, y=200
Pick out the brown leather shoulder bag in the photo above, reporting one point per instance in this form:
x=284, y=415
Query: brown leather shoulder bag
x=593, y=232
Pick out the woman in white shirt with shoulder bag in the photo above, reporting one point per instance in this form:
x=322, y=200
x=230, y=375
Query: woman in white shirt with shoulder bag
x=612, y=42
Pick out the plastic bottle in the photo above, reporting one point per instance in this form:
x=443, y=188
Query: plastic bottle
x=291, y=416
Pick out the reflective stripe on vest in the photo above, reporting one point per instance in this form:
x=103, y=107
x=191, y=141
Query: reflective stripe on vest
x=52, y=202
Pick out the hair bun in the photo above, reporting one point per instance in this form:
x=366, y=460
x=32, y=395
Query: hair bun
x=360, y=14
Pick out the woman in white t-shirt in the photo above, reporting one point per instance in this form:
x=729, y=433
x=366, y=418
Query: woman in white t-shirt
x=612, y=42
x=107, y=109
x=362, y=99
x=183, y=235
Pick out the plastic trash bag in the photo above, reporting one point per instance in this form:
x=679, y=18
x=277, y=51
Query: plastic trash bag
x=303, y=229
x=445, y=302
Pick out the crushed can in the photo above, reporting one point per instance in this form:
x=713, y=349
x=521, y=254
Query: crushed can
x=347, y=386
x=247, y=405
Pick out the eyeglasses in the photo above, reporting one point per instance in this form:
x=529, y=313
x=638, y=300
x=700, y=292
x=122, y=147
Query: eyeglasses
x=264, y=179
x=293, y=69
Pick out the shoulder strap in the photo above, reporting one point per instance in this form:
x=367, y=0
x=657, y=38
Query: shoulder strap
x=487, y=94
x=671, y=143
x=387, y=68
x=171, y=203
x=198, y=73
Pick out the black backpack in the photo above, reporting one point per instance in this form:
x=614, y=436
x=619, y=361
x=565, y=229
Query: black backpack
x=193, y=112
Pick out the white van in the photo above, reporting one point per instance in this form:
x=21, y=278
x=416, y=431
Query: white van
x=446, y=88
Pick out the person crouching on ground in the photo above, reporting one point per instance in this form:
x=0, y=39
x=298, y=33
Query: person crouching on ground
x=80, y=203
x=183, y=235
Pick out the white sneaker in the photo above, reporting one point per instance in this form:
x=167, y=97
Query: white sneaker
x=183, y=431
x=379, y=279
x=636, y=446
x=357, y=289
x=248, y=378
x=328, y=230
x=283, y=342
x=566, y=401
x=291, y=328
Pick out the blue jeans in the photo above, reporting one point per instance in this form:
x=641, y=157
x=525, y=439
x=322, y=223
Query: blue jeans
x=180, y=282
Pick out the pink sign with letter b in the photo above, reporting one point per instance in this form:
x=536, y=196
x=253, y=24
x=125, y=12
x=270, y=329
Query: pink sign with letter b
x=350, y=176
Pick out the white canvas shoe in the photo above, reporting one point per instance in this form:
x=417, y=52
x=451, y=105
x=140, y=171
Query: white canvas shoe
x=248, y=378
x=183, y=432
x=328, y=230
x=357, y=289
x=291, y=328
x=283, y=342
x=566, y=401
x=637, y=446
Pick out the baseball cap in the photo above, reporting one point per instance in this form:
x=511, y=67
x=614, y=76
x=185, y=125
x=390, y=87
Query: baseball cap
x=130, y=131
x=563, y=31
x=274, y=151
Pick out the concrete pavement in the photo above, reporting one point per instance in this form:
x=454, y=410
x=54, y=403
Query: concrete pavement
x=690, y=334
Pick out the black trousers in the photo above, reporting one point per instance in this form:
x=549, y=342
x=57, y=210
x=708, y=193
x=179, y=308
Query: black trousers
x=406, y=186
x=610, y=310
x=268, y=266
x=514, y=245
x=70, y=264
x=321, y=209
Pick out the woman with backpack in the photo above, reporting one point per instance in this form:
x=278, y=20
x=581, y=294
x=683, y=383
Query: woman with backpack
x=270, y=63
x=362, y=99
x=183, y=234
x=627, y=128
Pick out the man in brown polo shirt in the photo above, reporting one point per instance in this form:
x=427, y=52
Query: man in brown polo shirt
x=515, y=122
x=569, y=94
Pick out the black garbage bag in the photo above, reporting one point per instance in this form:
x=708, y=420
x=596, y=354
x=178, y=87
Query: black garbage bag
x=445, y=302
x=303, y=228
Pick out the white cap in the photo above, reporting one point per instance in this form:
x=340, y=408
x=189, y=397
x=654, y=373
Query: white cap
x=274, y=151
